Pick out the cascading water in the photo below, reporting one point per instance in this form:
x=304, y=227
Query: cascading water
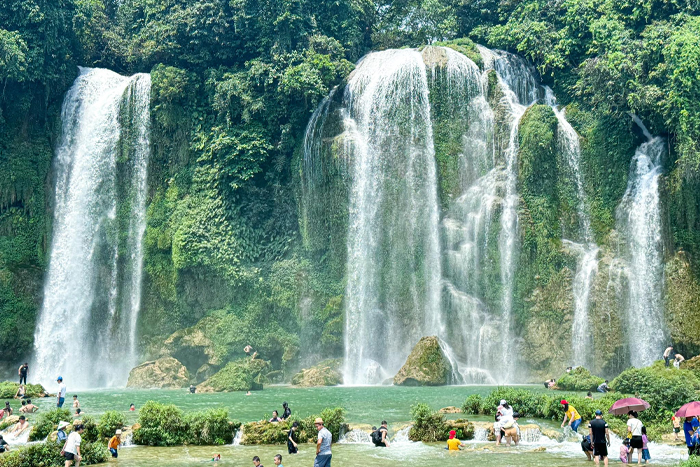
x=87, y=328
x=639, y=222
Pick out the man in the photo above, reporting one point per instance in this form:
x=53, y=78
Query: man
x=291, y=443
x=31, y=408
x=381, y=438
x=323, y=445
x=114, y=443
x=600, y=438
x=71, y=450
x=604, y=387
x=287, y=411
x=23, y=369
x=76, y=403
x=256, y=461
x=193, y=388
x=61, y=395
x=20, y=426
x=677, y=360
x=3, y=445
x=667, y=355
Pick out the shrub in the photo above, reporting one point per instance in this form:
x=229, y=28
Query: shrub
x=580, y=379
x=693, y=461
x=161, y=425
x=110, y=422
x=473, y=405
x=49, y=454
x=47, y=422
x=8, y=389
x=428, y=426
x=210, y=427
x=240, y=375
x=91, y=433
x=276, y=433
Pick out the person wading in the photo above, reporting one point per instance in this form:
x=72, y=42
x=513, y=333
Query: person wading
x=600, y=438
x=634, y=427
x=380, y=437
x=323, y=445
x=571, y=414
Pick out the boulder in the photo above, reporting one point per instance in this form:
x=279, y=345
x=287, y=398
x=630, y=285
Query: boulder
x=245, y=374
x=450, y=409
x=326, y=373
x=425, y=366
x=463, y=427
x=166, y=372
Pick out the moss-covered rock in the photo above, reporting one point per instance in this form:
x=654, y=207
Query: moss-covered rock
x=326, y=373
x=463, y=427
x=264, y=432
x=579, y=379
x=425, y=366
x=166, y=372
x=245, y=374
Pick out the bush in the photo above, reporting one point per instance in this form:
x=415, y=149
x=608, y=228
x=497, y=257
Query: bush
x=210, y=428
x=241, y=375
x=276, y=433
x=110, y=422
x=693, y=461
x=49, y=454
x=8, y=389
x=473, y=405
x=91, y=434
x=428, y=426
x=47, y=422
x=580, y=379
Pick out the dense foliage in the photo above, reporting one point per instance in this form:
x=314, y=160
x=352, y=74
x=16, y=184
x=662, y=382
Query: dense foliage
x=579, y=379
x=264, y=432
x=428, y=426
x=49, y=453
x=8, y=390
x=47, y=422
x=110, y=422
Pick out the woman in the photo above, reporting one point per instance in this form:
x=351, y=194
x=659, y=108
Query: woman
x=571, y=414
x=634, y=429
x=275, y=417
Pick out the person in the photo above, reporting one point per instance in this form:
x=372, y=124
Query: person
x=61, y=435
x=193, y=388
x=20, y=426
x=667, y=354
x=589, y=396
x=21, y=392
x=553, y=383
x=8, y=409
x=634, y=428
x=216, y=458
x=511, y=430
x=568, y=370
x=587, y=447
x=546, y=384
x=61, y=394
x=31, y=408
x=23, y=369
x=275, y=417
x=689, y=426
x=248, y=393
x=71, y=449
x=132, y=408
x=624, y=451
x=677, y=360
x=604, y=387
x=645, y=446
x=256, y=461
x=278, y=460
x=505, y=420
x=287, y=411
x=380, y=437
x=114, y=443
x=676, y=426
x=76, y=403
x=3, y=445
x=323, y=445
x=23, y=409
x=292, y=447
x=453, y=444
x=571, y=414
x=78, y=413
x=600, y=437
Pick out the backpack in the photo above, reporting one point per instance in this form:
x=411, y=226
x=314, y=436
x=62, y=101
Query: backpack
x=377, y=437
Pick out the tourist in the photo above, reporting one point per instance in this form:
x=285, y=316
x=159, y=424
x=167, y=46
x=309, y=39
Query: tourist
x=61, y=435
x=61, y=394
x=292, y=447
x=689, y=426
x=677, y=360
x=76, y=403
x=256, y=461
x=453, y=444
x=634, y=428
x=645, y=446
x=20, y=426
x=587, y=447
x=275, y=417
x=216, y=458
x=23, y=409
x=380, y=437
x=132, y=408
x=667, y=355
x=504, y=420
x=8, y=409
x=248, y=393
x=553, y=384
x=600, y=437
x=287, y=412
x=71, y=449
x=78, y=413
x=23, y=369
x=3, y=445
x=31, y=408
x=676, y=426
x=624, y=451
x=511, y=429
x=278, y=460
x=589, y=396
x=193, y=388
x=572, y=415
x=114, y=443
x=21, y=392
x=568, y=370
x=603, y=387
x=323, y=445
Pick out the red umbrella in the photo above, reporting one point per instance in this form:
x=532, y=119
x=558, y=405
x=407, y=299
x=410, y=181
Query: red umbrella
x=623, y=406
x=691, y=409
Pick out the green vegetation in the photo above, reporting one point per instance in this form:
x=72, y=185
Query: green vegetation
x=428, y=426
x=265, y=432
x=240, y=375
x=110, y=422
x=579, y=379
x=49, y=453
x=8, y=390
x=47, y=422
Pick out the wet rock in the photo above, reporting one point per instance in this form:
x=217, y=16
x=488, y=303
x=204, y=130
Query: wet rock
x=245, y=374
x=166, y=372
x=450, y=410
x=326, y=373
x=463, y=427
x=425, y=366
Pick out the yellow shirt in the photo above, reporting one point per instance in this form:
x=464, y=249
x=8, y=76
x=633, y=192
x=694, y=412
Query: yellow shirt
x=572, y=413
x=453, y=444
x=113, y=443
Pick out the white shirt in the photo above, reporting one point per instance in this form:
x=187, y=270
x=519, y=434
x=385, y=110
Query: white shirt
x=635, y=426
x=72, y=443
x=62, y=390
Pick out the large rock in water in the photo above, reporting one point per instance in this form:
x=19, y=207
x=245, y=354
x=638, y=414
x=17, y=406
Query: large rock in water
x=425, y=366
x=245, y=374
x=326, y=373
x=166, y=372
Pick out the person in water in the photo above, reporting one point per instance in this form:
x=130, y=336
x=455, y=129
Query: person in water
x=600, y=437
x=587, y=447
x=676, y=421
x=589, y=396
x=78, y=413
x=505, y=420
x=76, y=403
x=71, y=449
x=323, y=445
x=510, y=430
x=453, y=444
x=20, y=426
x=114, y=443
x=645, y=446
x=30, y=408
x=292, y=447
x=634, y=428
x=278, y=460
x=287, y=411
x=193, y=388
x=380, y=437
x=572, y=415
x=275, y=417
x=624, y=451
x=3, y=445
x=8, y=409
x=132, y=408
x=256, y=461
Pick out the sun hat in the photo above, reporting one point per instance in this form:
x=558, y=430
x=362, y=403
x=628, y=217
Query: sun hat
x=318, y=421
x=62, y=425
x=118, y=432
x=503, y=402
x=453, y=433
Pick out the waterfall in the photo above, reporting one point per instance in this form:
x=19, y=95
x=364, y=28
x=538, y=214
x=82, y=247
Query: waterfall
x=86, y=330
x=639, y=222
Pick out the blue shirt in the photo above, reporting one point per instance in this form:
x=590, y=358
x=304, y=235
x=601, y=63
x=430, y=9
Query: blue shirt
x=689, y=427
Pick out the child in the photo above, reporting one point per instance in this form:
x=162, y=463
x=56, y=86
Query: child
x=76, y=404
x=645, y=448
x=114, y=443
x=132, y=407
x=278, y=460
x=676, y=426
x=256, y=462
x=624, y=450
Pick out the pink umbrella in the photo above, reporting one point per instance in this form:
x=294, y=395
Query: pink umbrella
x=623, y=406
x=691, y=409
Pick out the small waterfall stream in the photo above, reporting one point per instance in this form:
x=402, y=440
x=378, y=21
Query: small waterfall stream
x=92, y=292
